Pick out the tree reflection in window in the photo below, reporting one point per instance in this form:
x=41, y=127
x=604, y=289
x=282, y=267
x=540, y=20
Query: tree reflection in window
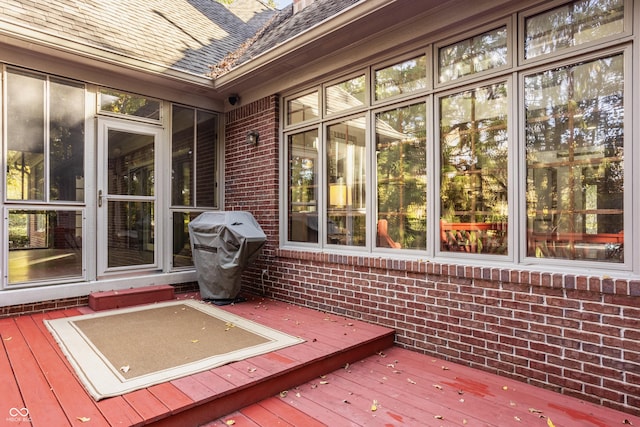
x=474, y=174
x=574, y=154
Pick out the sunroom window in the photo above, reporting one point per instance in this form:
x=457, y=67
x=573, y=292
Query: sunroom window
x=45, y=162
x=474, y=175
x=474, y=55
x=574, y=153
x=401, y=161
x=572, y=24
x=194, y=185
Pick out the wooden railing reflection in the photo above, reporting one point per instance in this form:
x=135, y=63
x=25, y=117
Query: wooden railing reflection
x=473, y=237
x=604, y=246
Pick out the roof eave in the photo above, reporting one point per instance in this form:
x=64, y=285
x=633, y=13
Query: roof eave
x=284, y=54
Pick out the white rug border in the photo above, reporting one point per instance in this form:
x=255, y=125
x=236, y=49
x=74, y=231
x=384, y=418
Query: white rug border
x=89, y=363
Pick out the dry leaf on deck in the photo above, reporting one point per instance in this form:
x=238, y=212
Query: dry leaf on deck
x=230, y=422
x=83, y=419
x=374, y=406
x=125, y=368
x=549, y=423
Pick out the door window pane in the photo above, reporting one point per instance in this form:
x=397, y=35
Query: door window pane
x=131, y=163
x=44, y=245
x=575, y=152
x=25, y=136
x=346, y=174
x=66, y=141
x=402, y=179
x=345, y=95
x=302, y=108
x=402, y=78
x=572, y=25
x=474, y=55
x=474, y=152
x=303, y=187
x=131, y=233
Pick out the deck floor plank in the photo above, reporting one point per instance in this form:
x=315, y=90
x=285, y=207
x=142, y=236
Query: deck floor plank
x=41, y=402
x=62, y=381
x=147, y=405
x=11, y=398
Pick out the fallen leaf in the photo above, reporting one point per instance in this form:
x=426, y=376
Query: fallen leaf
x=324, y=382
x=505, y=387
x=535, y=411
x=83, y=419
x=438, y=417
x=252, y=369
x=125, y=368
x=444, y=368
x=374, y=406
x=298, y=395
x=194, y=341
x=517, y=418
x=627, y=422
x=410, y=381
x=230, y=422
x=346, y=401
x=283, y=394
x=438, y=386
x=550, y=423
x=8, y=338
x=346, y=366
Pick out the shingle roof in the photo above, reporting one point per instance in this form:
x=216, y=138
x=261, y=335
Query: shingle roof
x=286, y=25
x=187, y=35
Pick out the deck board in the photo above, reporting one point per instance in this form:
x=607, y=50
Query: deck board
x=69, y=393
x=411, y=389
x=42, y=404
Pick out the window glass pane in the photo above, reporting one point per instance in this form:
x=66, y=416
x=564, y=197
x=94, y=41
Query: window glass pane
x=346, y=174
x=44, y=245
x=571, y=25
x=404, y=77
x=112, y=101
x=402, y=178
x=131, y=233
x=66, y=141
x=574, y=153
x=303, y=187
x=206, y=161
x=182, y=155
x=302, y=108
x=25, y=136
x=473, y=192
x=181, y=243
x=345, y=95
x=474, y=55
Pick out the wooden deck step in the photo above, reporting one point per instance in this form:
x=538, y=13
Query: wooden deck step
x=129, y=297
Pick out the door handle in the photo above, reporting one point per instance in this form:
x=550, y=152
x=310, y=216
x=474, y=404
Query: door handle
x=99, y=198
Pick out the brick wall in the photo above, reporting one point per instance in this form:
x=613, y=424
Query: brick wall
x=251, y=173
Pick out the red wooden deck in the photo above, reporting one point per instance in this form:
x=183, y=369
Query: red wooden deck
x=332, y=379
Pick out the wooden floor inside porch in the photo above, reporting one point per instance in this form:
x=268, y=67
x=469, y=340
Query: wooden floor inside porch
x=347, y=373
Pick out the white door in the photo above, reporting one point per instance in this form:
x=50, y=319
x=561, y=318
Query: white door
x=127, y=220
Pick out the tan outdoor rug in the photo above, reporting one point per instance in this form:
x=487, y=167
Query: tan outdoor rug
x=123, y=350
